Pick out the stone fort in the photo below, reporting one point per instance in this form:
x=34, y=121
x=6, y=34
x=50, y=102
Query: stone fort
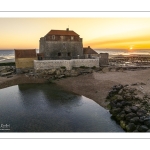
x=61, y=44
x=59, y=48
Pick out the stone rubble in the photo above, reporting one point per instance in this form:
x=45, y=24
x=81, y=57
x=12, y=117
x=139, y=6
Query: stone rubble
x=7, y=71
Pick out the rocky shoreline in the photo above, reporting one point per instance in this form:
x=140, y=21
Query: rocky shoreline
x=130, y=107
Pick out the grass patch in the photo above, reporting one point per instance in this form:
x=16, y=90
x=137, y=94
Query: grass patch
x=94, y=67
x=83, y=67
x=63, y=67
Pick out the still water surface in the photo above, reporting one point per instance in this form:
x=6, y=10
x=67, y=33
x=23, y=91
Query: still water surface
x=48, y=108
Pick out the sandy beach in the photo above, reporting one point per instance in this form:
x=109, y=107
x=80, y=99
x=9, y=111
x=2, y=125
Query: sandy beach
x=97, y=85
x=94, y=86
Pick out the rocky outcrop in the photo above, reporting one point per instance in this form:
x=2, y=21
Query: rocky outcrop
x=7, y=71
x=130, y=108
x=52, y=74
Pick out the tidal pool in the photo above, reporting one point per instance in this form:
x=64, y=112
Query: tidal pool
x=49, y=108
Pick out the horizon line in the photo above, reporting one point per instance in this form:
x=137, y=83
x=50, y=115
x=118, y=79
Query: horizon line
x=91, y=47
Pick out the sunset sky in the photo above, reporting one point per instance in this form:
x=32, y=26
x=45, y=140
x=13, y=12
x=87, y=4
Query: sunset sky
x=99, y=33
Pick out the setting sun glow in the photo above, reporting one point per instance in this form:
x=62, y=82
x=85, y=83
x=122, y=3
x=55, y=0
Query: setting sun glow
x=99, y=33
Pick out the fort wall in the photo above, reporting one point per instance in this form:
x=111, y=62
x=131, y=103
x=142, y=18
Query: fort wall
x=69, y=64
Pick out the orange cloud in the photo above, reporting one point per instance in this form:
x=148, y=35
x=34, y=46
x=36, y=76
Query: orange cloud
x=122, y=42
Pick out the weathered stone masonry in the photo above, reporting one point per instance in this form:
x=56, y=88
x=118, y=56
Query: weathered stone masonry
x=67, y=50
x=61, y=44
x=50, y=64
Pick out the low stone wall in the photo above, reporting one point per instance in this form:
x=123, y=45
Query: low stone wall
x=50, y=64
x=85, y=62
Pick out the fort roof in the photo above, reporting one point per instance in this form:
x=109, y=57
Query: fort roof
x=62, y=32
x=88, y=50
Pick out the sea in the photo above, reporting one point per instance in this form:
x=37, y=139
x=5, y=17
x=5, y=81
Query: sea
x=9, y=55
x=124, y=51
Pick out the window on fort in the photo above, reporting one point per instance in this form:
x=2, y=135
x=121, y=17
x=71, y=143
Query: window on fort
x=72, y=37
x=59, y=54
x=61, y=37
x=53, y=37
x=89, y=56
x=69, y=54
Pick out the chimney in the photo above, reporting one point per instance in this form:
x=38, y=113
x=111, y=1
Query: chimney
x=67, y=29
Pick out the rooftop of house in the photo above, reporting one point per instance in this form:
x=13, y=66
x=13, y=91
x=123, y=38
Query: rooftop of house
x=24, y=49
x=89, y=50
x=62, y=32
x=25, y=53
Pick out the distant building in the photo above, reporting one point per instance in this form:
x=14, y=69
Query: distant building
x=89, y=53
x=104, y=59
x=24, y=58
x=61, y=44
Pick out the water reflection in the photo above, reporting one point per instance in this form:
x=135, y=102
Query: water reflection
x=48, y=108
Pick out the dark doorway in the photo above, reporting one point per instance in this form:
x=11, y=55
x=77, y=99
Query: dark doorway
x=69, y=54
x=59, y=54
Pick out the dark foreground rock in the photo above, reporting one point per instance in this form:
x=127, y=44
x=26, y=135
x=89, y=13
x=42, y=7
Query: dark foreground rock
x=130, y=108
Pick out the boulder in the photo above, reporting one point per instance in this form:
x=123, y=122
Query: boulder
x=58, y=72
x=52, y=72
x=147, y=123
x=141, y=119
x=25, y=70
x=127, y=96
x=62, y=70
x=113, y=104
x=121, y=70
x=67, y=73
x=127, y=110
x=134, y=109
x=120, y=117
x=130, y=115
x=134, y=120
x=130, y=127
x=118, y=97
x=119, y=105
x=113, y=69
x=142, y=128
x=3, y=71
x=141, y=112
x=148, y=130
x=86, y=71
x=117, y=87
x=105, y=69
x=115, y=111
x=120, y=92
x=74, y=73
x=6, y=74
x=61, y=76
x=123, y=124
x=125, y=103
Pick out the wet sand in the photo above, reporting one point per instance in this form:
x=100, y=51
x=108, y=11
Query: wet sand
x=18, y=79
x=97, y=85
x=94, y=86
